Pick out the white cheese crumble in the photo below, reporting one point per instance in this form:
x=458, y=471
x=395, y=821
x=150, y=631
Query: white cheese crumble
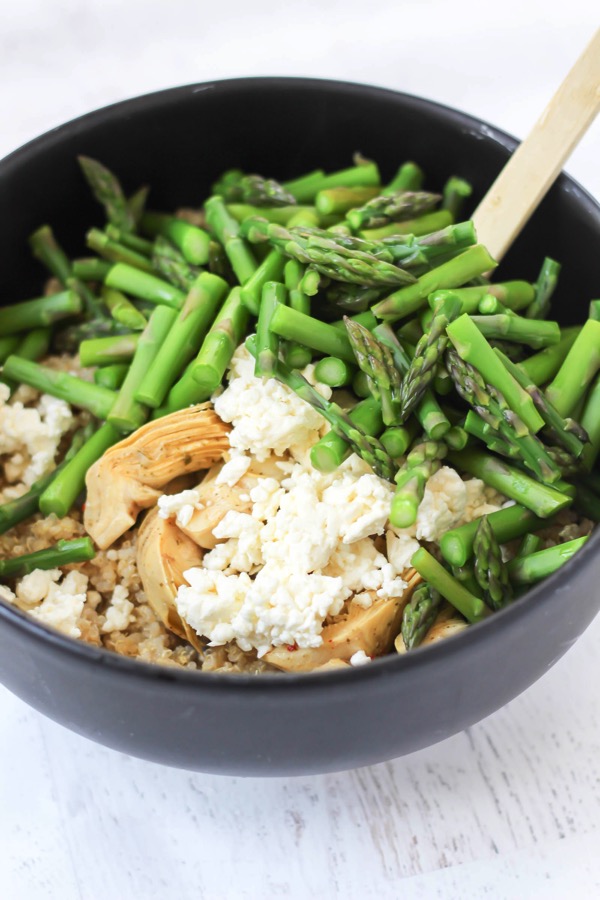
x=359, y=658
x=233, y=470
x=30, y=436
x=118, y=613
x=180, y=506
x=54, y=602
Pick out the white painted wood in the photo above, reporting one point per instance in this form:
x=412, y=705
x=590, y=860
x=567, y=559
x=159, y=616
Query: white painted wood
x=509, y=810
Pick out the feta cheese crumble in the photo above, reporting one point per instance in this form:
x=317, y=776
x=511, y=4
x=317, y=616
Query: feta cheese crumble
x=52, y=601
x=180, y=506
x=119, y=612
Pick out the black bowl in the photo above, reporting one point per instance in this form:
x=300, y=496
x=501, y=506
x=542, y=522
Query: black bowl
x=178, y=141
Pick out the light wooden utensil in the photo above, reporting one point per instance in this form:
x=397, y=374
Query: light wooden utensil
x=536, y=163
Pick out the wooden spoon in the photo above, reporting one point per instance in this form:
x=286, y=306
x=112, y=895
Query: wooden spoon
x=535, y=164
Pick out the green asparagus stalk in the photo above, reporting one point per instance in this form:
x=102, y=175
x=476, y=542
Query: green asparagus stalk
x=334, y=372
x=106, y=351
x=491, y=406
x=451, y=274
x=428, y=353
x=60, y=554
x=471, y=607
x=296, y=355
x=514, y=295
x=45, y=247
x=534, y=332
x=590, y=422
x=115, y=252
x=98, y=400
x=90, y=269
x=108, y=191
x=508, y=523
x=532, y=568
x=409, y=177
x=270, y=269
x=39, y=312
x=544, y=288
x=236, y=187
x=385, y=208
x=397, y=438
x=183, y=339
x=477, y=427
x=228, y=232
x=130, y=240
x=360, y=385
x=351, y=298
x=595, y=310
x=490, y=571
x=35, y=344
x=473, y=348
x=336, y=256
x=427, y=224
x=377, y=362
x=306, y=188
x=126, y=413
x=531, y=543
x=332, y=449
x=566, y=432
x=456, y=192
x=577, y=371
x=419, y=614
x=144, y=286
x=111, y=376
x=421, y=463
x=169, y=262
x=292, y=325
x=267, y=341
x=217, y=349
x=280, y=215
x=191, y=240
x=122, y=310
x=541, y=499
x=8, y=345
x=466, y=576
x=60, y=495
x=338, y=201
x=543, y=366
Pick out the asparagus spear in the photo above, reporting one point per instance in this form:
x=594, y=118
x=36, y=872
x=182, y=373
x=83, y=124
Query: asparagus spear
x=306, y=188
x=281, y=215
x=360, y=385
x=473, y=348
x=419, y=614
x=351, y=298
x=217, y=349
x=489, y=568
x=267, y=341
x=453, y=273
x=515, y=295
x=296, y=355
x=236, y=187
x=456, y=192
x=391, y=207
x=590, y=422
x=541, y=499
x=270, y=269
x=507, y=524
x=45, y=247
x=171, y=265
x=108, y=191
x=338, y=201
x=144, y=286
x=491, y=406
x=98, y=400
x=428, y=353
x=130, y=240
x=183, y=339
x=430, y=222
x=566, y=432
x=111, y=376
x=336, y=256
x=35, y=344
x=543, y=366
x=334, y=372
x=228, y=232
x=8, y=345
x=60, y=495
x=39, y=312
x=534, y=332
x=377, y=362
x=332, y=449
x=411, y=480
x=191, y=240
x=594, y=312
x=292, y=325
x=115, y=252
x=60, y=554
x=397, y=438
x=544, y=288
x=409, y=177
x=108, y=350
x=532, y=568
x=531, y=543
x=471, y=607
x=122, y=310
x=577, y=371
x=90, y=269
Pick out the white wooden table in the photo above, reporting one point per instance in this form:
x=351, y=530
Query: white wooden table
x=508, y=809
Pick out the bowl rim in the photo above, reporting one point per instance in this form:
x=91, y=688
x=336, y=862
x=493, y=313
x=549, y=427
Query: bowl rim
x=385, y=666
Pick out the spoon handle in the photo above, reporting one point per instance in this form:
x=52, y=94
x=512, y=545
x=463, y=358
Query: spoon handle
x=535, y=164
